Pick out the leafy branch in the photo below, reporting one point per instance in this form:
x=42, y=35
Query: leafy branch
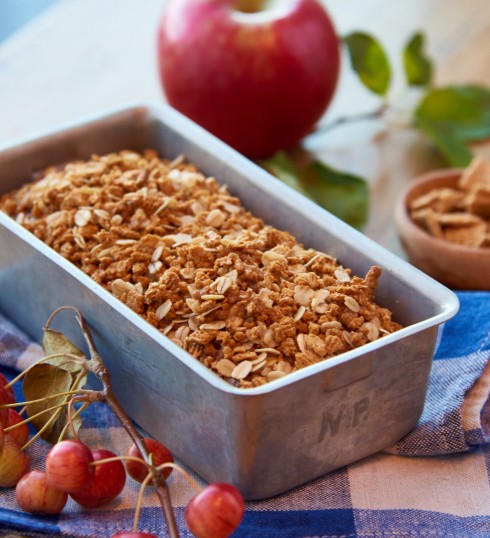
x=451, y=117
x=55, y=384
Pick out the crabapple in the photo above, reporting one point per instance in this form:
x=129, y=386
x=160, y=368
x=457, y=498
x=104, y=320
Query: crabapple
x=67, y=465
x=104, y=485
x=8, y=390
x=215, y=512
x=4, y=399
x=160, y=454
x=35, y=495
x=19, y=433
x=13, y=463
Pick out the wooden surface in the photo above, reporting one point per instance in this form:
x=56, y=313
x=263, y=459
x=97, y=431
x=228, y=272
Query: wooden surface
x=82, y=57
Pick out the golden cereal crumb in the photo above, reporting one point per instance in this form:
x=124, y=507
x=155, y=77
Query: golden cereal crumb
x=242, y=297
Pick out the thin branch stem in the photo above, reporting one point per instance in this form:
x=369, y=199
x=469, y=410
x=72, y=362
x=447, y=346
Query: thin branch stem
x=342, y=120
x=99, y=369
x=61, y=309
x=97, y=366
x=158, y=479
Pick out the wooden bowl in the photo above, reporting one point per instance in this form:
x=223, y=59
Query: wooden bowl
x=456, y=266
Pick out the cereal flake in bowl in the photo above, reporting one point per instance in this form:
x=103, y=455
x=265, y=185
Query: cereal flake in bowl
x=443, y=221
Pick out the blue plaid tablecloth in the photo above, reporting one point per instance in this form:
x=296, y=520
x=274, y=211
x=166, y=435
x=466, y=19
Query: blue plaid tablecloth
x=433, y=483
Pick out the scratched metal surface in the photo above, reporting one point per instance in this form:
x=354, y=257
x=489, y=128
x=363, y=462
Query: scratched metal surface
x=308, y=423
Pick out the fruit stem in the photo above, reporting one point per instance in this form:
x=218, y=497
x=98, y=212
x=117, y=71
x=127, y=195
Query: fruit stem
x=121, y=458
x=67, y=425
x=27, y=420
x=139, y=502
x=250, y=6
x=183, y=472
x=40, y=400
x=73, y=358
x=51, y=419
x=70, y=416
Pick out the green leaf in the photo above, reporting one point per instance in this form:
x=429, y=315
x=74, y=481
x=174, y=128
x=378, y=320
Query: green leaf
x=369, y=61
x=46, y=380
x=462, y=112
x=418, y=67
x=455, y=151
x=281, y=166
x=344, y=195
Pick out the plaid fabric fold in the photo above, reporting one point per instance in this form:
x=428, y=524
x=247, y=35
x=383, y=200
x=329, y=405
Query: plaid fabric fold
x=387, y=495
x=456, y=412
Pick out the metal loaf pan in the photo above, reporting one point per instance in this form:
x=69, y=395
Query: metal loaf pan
x=264, y=440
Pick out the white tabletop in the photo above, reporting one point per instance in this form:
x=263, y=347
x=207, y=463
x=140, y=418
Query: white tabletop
x=81, y=57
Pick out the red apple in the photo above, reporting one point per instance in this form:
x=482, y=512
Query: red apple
x=35, y=495
x=256, y=73
x=13, y=463
x=4, y=399
x=215, y=512
x=9, y=390
x=160, y=454
x=67, y=465
x=20, y=433
x=106, y=483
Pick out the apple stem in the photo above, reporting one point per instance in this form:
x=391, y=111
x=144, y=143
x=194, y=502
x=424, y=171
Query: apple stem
x=183, y=472
x=27, y=420
x=40, y=400
x=122, y=458
x=52, y=418
x=95, y=396
x=139, y=502
x=69, y=356
x=67, y=425
x=250, y=6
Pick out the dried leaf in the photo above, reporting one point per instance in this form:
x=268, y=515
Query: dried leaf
x=45, y=380
x=54, y=343
x=369, y=61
